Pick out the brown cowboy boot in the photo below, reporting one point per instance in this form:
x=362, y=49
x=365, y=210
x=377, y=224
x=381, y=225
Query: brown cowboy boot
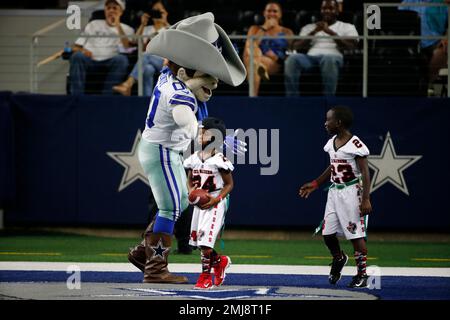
x=157, y=249
x=137, y=256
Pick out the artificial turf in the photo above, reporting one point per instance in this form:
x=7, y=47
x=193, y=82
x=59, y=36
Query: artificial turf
x=79, y=248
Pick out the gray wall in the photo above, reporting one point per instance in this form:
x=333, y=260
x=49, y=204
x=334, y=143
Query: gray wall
x=17, y=28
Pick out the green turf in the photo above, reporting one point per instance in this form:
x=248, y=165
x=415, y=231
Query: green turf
x=77, y=248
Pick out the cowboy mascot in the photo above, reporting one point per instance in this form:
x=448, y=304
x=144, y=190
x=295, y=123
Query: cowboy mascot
x=200, y=54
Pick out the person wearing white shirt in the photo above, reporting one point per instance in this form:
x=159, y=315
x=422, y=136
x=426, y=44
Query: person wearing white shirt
x=324, y=53
x=151, y=64
x=92, y=52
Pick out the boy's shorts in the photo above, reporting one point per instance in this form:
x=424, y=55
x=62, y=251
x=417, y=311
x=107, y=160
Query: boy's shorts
x=207, y=224
x=342, y=213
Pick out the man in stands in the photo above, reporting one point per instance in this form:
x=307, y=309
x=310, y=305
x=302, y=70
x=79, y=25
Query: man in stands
x=101, y=52
x=324, y=53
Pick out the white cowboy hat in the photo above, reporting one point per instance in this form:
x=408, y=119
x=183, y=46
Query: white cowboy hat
x=200, y=44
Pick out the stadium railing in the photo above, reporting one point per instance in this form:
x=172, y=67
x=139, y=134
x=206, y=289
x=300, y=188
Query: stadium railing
x=39, y=48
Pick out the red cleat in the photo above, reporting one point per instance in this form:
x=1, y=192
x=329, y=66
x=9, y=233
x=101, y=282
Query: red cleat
x=219, y=271
x=204, y=281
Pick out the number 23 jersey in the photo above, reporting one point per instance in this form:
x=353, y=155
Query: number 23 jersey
x=206, y=174
x=343, y=160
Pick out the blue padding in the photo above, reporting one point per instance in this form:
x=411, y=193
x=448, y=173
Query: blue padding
x=52, y=145
x=163, y=225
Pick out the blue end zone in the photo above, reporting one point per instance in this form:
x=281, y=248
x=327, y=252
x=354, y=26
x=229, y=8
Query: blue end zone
x=392, y=287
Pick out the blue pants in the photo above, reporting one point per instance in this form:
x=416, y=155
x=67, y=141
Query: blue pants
x=79, y=64
x=151, y=64
x=297, y=63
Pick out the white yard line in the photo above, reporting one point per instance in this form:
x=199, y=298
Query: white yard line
x=235, y=268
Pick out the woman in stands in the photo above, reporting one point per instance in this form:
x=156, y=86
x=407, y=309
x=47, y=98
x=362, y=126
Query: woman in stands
x=151, y=64
x=268, y=54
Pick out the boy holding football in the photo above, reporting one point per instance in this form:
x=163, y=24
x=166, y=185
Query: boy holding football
x=348, y=202
x=209, y=170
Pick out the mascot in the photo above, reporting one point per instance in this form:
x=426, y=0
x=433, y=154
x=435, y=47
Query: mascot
x=200, y=54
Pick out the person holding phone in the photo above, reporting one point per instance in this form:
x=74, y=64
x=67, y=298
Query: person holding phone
x=151, y=64
x=268, y=53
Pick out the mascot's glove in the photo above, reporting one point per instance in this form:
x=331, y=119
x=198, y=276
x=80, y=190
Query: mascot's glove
x=234, y=145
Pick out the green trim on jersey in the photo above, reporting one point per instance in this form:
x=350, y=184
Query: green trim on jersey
x=340, y=186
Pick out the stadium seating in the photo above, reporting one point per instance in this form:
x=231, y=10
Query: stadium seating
x=441, y=82
x=385, y=56
x=94, y=81
x=350, y=79
x=396, y=67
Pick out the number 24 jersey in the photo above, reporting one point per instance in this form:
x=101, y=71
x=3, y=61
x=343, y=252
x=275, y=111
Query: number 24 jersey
x=206, y=174
x=343, y=160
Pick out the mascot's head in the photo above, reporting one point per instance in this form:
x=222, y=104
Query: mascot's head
x=200, y=83
x=198, y=45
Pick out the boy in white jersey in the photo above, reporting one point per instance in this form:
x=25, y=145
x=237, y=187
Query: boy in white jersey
x=208, y=169
x=348, y=202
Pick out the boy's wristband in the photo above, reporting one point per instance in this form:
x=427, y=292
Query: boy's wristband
x=219, y=197
x=315, y=184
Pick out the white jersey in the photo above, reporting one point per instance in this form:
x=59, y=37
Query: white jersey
x=206, y=173
x=326, y=46
x=102, y=48
x=160, y=127
x=343, y=160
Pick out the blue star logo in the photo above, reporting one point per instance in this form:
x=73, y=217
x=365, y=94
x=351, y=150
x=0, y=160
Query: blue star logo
x=159, y=250
x=230, y=294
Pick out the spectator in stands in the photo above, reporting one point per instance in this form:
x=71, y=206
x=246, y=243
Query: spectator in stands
x=433, y=22
x=439, y=60
x=151, y=64
x=269, y=54
x=322, y=52
x=92, y=53
x=340, y=5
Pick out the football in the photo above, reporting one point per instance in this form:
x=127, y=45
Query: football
x=198, y=197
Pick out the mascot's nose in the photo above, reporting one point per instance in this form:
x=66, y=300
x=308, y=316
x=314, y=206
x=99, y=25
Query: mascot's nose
x=210, y=82
x=214, y=84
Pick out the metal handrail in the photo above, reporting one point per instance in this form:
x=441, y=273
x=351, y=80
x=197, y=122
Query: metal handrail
x=365, y=37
